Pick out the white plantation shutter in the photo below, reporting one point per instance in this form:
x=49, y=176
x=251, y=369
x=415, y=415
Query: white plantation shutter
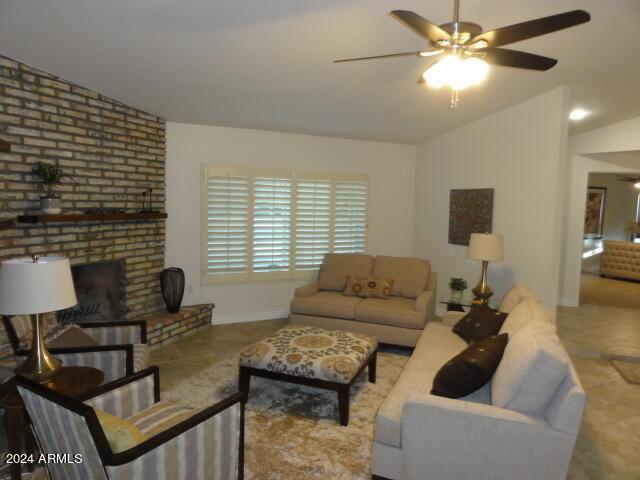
x=266, y=223
x=227, y=222
x=350, y=224
x=313, y=221
x=271, y=223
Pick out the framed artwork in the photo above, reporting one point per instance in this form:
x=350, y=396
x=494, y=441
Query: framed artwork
x=594, y=212
x=470, y=211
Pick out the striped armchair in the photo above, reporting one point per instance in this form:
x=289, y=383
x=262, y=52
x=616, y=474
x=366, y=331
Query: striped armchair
x=122, y=348
x=192, y=445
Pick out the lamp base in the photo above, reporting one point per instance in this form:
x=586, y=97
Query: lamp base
x=40, y=365
x=482, y=291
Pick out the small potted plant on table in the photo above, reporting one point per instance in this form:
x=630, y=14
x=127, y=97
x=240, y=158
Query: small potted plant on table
x=49, y=176
x=457, y=286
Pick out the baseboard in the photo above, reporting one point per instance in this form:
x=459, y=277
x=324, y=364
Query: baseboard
x=568, y=302
x=248, y=317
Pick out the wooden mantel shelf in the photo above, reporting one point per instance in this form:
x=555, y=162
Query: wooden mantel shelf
x=94, y=217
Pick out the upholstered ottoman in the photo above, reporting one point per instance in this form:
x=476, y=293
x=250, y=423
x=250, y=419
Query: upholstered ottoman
x=311, y=356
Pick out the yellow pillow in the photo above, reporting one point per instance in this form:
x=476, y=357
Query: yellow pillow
x=121, y=434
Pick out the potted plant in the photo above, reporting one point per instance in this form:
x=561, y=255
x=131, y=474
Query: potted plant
x=48, y=176
x=457, y=286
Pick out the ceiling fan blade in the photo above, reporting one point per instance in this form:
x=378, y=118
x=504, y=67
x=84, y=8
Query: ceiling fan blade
x=532, y=28
x=514, y=58
x=421, y=26
x=405, y=54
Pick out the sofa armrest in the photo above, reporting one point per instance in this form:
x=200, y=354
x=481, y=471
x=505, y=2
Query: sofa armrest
x=449, y=319
x=306, y=290
x=473, y=440
x=426, y=303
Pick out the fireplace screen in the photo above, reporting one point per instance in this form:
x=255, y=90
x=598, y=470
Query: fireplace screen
x=99, y=287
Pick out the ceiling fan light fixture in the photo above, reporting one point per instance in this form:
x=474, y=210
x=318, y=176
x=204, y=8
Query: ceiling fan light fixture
x=456, y=73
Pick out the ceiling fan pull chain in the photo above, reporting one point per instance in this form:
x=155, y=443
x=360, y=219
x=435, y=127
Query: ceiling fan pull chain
x=455, y=100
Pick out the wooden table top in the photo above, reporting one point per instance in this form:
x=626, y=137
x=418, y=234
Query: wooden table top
x=70, y=381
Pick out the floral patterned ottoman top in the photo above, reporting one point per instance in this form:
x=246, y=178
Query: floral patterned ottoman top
x=311, y=352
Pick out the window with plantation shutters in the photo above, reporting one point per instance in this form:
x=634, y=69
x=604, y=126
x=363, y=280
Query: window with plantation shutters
x=350, y=223
x=271, y=223
x=313, y=221
x=267, y=223
x=227, y=211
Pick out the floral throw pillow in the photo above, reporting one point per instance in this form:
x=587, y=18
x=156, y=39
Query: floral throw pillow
x=368, y=287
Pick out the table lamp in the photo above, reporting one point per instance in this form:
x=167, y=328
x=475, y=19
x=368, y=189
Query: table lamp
x=486, y=247
x=32, y=286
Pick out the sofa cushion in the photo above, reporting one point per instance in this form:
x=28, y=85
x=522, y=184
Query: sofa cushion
x=470, y=369
x=517, y=294
x=525, y=312
x=121, y=434
x=436, y=345
x=410, y=275
x=394, y=311
x=327, y=304
x=479, y=323
x=532, y=367
x=337, y=266
x=368, y=287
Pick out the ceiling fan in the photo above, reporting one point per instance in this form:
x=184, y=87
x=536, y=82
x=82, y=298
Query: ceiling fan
x=634, y=180
x=467, y=50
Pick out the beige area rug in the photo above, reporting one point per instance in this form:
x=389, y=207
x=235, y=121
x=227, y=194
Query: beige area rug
x=609, y=291
x=292, y=431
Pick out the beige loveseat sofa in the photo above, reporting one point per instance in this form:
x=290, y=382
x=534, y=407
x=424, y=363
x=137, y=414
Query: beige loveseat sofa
x=522, y=425
x=620, y=260
x=397, y=320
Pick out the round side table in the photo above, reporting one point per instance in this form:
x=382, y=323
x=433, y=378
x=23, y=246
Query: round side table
x=70, y=381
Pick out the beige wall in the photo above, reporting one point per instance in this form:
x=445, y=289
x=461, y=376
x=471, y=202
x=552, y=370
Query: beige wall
x=521, y=153
x=391, y=168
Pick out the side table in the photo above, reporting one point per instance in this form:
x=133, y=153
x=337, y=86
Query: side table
x=71, y=381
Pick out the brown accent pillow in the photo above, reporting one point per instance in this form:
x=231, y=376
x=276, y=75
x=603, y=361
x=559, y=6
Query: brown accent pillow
x=471, y=369
x=368, y=287
x=481, y=322
x=63, y=336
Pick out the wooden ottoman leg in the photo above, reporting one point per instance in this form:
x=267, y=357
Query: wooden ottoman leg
x=343, y=403
x=373, y=363
x=244, y=381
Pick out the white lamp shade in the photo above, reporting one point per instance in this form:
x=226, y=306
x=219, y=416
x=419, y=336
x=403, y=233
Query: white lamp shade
x=486, y=247
x=28, y=287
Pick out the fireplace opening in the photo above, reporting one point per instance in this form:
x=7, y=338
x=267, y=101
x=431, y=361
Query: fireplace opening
x=99, y=288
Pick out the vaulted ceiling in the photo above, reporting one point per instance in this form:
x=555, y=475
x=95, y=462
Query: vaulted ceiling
x=267, y=64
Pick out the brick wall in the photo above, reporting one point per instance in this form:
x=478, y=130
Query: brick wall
x=113, y=151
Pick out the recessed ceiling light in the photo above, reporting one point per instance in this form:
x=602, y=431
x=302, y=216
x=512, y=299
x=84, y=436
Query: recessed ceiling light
x=578, y=114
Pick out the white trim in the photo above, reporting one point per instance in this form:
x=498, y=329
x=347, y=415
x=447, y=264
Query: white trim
x=568, y=302
x=248, y=317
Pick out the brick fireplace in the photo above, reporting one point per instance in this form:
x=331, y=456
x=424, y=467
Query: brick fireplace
x=114, y=153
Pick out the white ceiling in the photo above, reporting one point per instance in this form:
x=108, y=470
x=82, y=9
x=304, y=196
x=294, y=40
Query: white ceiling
x=267, y=64
x=629, y=159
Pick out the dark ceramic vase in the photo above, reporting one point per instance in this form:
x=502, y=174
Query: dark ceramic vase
x=172, y=286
